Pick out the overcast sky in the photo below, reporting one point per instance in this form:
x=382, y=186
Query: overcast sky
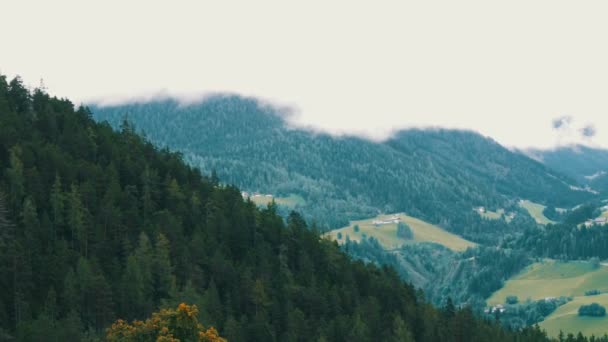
x=527, y=73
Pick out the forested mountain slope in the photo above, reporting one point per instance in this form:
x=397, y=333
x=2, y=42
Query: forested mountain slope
x=437, y=175
x=97, y=224
x=588, y=165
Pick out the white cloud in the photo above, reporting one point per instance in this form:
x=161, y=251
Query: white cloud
x=504, y=69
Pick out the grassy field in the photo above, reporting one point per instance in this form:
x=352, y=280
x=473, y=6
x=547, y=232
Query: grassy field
x=536, y=211
x=553, y=279
x=387, y=234
x=566, y=318
x=290, y=201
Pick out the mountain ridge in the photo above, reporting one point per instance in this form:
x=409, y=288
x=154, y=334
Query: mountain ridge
x=417, y=171
x=588, y=165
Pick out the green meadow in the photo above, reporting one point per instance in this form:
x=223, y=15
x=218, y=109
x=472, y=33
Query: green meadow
x=386, y=234
x=536, y=211
x=552, y=278
x=566, y=318
x=290, y=201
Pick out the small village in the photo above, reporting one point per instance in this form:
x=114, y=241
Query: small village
x=391, y=220
x=598, y=221
x=483, y=211
x=246, y=195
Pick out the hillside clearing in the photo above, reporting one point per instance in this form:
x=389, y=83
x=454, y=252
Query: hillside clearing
x=290, y=201
x=566, y=318
x=536, y=211
x=553, y=279
x=386, y=234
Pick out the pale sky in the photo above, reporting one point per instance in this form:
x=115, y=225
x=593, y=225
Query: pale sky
x=507, y=69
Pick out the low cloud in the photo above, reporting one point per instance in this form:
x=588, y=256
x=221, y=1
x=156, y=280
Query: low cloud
x=572, y=130
x=589, y=131
x=561, y=122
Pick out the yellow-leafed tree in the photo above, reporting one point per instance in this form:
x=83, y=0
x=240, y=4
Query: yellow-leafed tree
x=167, y=325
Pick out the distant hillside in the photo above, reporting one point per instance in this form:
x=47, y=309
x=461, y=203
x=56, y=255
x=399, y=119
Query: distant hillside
x=437, y=175
x=589, y=166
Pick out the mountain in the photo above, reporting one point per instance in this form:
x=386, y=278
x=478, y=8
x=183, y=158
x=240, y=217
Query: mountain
x=434, y=174
x=588, y=165
x=98, y=224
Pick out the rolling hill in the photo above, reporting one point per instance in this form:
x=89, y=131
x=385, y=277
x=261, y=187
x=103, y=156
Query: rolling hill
x=437, y=175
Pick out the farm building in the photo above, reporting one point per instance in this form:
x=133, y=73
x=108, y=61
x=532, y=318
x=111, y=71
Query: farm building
x=394, y=219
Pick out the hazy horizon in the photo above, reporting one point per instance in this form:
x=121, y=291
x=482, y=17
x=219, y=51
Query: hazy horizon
x=525, y=74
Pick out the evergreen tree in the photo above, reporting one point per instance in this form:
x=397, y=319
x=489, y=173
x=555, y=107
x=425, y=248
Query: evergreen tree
x=162, y=270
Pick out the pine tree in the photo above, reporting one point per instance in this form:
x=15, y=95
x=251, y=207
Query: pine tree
x=400, y=331
x=15, y=179
x=50, y=304
x=76, y=221
x=162, y=269
x=57, y=201
x=18, y=95
x=213, y=306
x=103, y=301
x=232, y=330
x=31, y=226
x=132, y=289
x=145, y=260
x=71, y=292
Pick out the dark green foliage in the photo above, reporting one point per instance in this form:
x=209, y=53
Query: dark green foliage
x=565, y=242
x=593, y=310
x=581, y=214
x=99, y=224
x=552, y=214
x=436, y=175
x=600, y=183
x=519, y=315
x=592, y=293
x=512, y=300
x=404, y=231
